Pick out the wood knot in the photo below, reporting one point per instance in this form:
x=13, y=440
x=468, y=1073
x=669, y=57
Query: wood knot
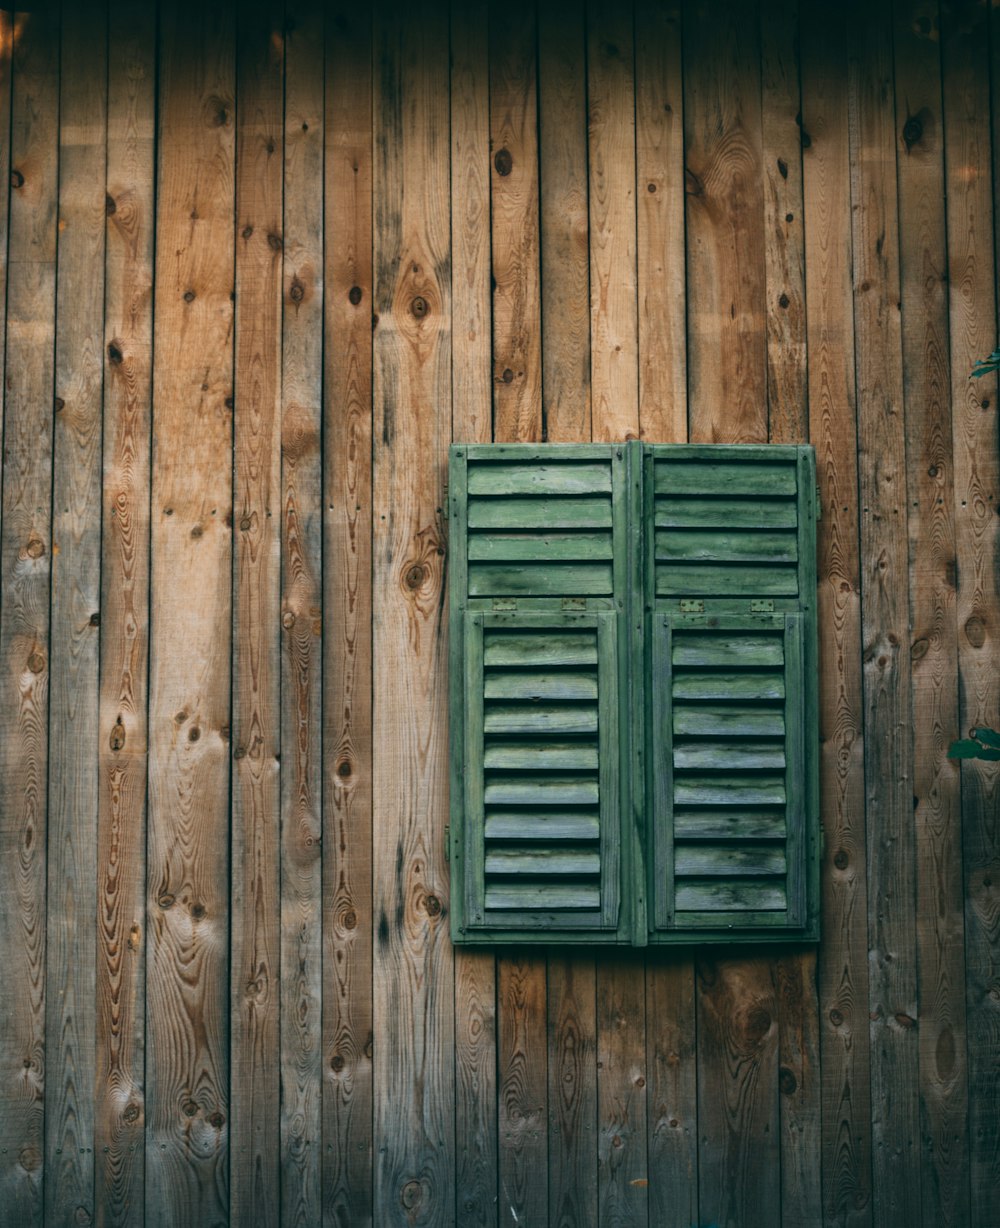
x=344, y=769
x=354, y=295
x=36, y=662
x=35, y=548
x=110, y=204
x=131, y=1113
x=783, y=301
x=975, y=632
x=411, y=1195
x=783, y=168
x=274, y=242
x=419, y=307
x=433, y=906
x=919, y=648
x=198, y=531
x=188, y=296
x=841, y=859
x=787, y=1082
x=189, y=1108
x=507, y=376
x=297, y=291
x=95, y=619
x=60, y=404
x=789, y=217
x=245, y=523
x=905, y=1021
x=217, y=1120
x=836, y=1018
x=134, y=937
x=693, y=186
x=198, y=911
x=30, y=1158
x=166, y=900
x=288, y=620
x=194, y=733
x=117, y=739
x=16, y=179
x=415, y=576
x=503, y=162
x=247, y=232
x=337, y=1063
x=651, y=188
x=350, y=920
x=913, y=130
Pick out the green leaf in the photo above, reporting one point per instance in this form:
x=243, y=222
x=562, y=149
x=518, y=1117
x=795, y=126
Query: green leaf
x=966, y=748
x=984, y=366
x=989, y=736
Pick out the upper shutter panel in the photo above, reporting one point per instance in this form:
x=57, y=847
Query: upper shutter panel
x=725, y=526
x=540, y=529
x=541, y=775
x=730, y=797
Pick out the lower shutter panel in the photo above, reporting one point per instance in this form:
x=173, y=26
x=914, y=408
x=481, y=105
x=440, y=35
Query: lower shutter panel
x=728, y=772
x=541, y=773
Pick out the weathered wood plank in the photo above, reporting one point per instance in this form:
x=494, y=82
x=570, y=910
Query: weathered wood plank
x=738, y=1160
x=522, y=1088
x=301, y=614
x=572, y=1056
x=119, y=1135
x=70, y=1025
x=661, y=285
x=517, y=342
x=565, y=229
x=784, y=236
x=671, y=1048
x=973, y=249
x=843, y=971
x=256, y=674
x=413, y=977
x=347, y=607
x=621, y=1085
x=613, y=311
x=472, y=397
x=725, y=225
x=475, y=971
x=6, y=65
x=25, y=551
x=187, y=1005
x=934, y=649
x=885, y=620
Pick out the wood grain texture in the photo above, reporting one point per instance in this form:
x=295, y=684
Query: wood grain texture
x=621, y=1089
x=187, y=1005
x=347, y=607
x=660, y=205
x=413, y=975
x=738, y=1161
x=517, y=341
x=475, y=971
x=256, y=676
x=842, y=971
x=727, y=371
x=933, y=649
x=471, y=297
x=611, y=147
x=522, y=1089
x=565, y=225
x=75, y=622
x=6, y=73
x=25, y=553
x=672, y=1100
x=572, y=1069
x=884, y=622
x=301, y=621
x=119, y=1135
x=784, y=235
x=973, y=249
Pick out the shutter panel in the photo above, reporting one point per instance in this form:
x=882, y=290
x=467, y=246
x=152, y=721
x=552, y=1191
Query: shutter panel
x=729, y=792
x=732, y=761
x=541, y=772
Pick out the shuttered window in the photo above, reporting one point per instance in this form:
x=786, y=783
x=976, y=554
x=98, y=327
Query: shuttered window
x=633, y=742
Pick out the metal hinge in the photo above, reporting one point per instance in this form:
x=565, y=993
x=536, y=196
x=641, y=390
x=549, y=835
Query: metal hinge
x=504, y=603
x=574, y=603
x=763, y=605
x=692, y=605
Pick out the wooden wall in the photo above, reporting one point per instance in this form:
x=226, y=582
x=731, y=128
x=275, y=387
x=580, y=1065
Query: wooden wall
x=262, y=263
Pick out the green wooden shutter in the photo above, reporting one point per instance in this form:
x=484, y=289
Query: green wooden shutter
x=538, y=570
x=732, y=797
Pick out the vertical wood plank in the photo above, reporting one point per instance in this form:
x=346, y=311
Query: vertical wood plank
x=413, y=984
x=187, y=1006
x=475, y=971
x=799, y=1084
x=970, y=35
x=75, y=621
x=119, y=1136
x=784, y=236
x=885, y=621
x=572, y=1068
x=621, y=1089
x=347, y=608
x=256, y=678
x=301, y=620
x=843, y=972
x=6, y=65
x=517, y=344
x=671, y=1047
x=565, y=226
x=661, y=283
x=727, y=373
x=934, y=651
x=25, y=549
x=472, y=396
x=522, y=1096
x=613, y=308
